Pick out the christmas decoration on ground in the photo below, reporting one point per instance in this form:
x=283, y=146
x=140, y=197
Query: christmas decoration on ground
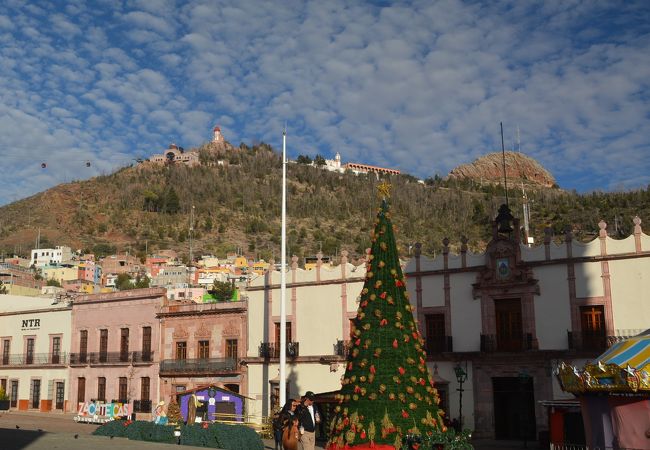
x=387, y=398
x=174, y=412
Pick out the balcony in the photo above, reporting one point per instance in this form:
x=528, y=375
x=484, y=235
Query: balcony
x=35, y=359
x=342, y=348
x=512, y=343
x=97, y=358
x=209, y=366
x=438, y=344
x=272, y=350
x=599, y=341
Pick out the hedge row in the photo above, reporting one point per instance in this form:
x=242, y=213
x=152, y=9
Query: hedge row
x=214, y=435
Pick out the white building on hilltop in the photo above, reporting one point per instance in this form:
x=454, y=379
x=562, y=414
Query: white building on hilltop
x=51, y=256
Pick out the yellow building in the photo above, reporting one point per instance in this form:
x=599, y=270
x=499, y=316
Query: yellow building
x=60, y=274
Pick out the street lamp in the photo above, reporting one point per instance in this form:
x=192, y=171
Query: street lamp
x=177, y=434
x=461, y=377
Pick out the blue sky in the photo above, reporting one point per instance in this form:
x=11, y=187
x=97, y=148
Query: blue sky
x=416, y=85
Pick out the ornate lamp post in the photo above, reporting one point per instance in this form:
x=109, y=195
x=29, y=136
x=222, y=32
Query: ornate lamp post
x=461, y=377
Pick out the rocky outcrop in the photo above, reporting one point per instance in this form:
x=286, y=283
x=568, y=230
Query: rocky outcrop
x=519, y=169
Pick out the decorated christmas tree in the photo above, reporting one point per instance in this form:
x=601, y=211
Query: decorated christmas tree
x=387, y=396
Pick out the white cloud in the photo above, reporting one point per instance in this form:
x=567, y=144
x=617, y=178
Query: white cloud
x=419, y=85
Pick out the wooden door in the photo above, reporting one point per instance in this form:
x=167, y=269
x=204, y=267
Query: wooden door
x=509, y=325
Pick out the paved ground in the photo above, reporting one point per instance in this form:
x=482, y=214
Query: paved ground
x=38, y=431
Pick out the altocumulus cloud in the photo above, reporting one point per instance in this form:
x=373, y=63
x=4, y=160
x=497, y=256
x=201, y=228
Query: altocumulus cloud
x=417, y=85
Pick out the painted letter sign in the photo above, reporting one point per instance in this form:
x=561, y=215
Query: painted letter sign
x=97, y=412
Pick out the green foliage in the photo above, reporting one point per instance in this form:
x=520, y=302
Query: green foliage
x=303, y=159
x=387, y=391
x=221, y=290
x=3, y=394
x=53, y=282
x=115, y=428
x=219, y=435
x=102, y=249
x=3, y=288
x=124, y=282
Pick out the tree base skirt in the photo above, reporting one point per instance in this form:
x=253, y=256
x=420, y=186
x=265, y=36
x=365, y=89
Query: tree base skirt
x=365, y=446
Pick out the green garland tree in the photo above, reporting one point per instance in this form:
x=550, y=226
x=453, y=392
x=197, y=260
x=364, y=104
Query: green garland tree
x=387, y=392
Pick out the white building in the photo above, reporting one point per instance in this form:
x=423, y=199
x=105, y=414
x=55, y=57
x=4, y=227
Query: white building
x=510, y=315
x=51, y=256
x=34, y=343
x=319, y=306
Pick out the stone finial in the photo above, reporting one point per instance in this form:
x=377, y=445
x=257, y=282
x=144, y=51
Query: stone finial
x=548, y=234
x=344, y=256
x=603, y=229
x=445, y=246
x=568, y=234
x=637, y=224
x=294, y=262
x=418, y=249
x=319, y=256
x=463, y=242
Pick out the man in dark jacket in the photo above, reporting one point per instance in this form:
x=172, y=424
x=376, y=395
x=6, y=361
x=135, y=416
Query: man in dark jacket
x=308, y=419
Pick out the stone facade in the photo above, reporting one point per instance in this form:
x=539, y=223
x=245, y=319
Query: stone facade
x=509, y=315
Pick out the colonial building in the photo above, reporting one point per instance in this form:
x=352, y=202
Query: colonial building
x=34, y=338
x=176, y=155
x=202, y=344
x=319, y=306
x=115, y=348
x=508, y=316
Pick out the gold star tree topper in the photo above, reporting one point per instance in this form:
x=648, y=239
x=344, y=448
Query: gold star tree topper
x=383, y=190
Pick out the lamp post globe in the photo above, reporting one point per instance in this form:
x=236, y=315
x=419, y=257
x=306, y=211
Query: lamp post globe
x=461, y=377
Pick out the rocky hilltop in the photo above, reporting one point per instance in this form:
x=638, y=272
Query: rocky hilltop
x=519, y=169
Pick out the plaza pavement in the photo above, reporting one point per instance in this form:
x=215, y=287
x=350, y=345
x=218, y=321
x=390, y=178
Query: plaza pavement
x=58, y=431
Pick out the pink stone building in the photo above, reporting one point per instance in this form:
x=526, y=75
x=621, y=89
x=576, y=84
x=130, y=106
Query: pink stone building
x=115, y=348
x=202, y=344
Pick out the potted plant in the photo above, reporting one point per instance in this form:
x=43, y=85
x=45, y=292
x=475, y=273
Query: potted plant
x=4, y=400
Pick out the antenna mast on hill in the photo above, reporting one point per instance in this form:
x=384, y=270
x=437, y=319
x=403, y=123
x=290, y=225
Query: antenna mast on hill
x=528, y=240
x=518, y=140
x=503, y=154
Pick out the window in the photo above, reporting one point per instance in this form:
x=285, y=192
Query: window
x=35, y=393
x=204, y=349
x=3, y=384
x=435, y=333
x=5, y=351
x=103, y=345
x=146, y=343
x=144, y=388
x=29, y=354
x=56, y=350
x=592, y=321
x=83, y=346
x=124, y=344
x=231, y=348
x=277, y=332
x=122, y=391
x=101, y=389
x=14, y=393
x=509, y=325
x=179, y=388
x=181, y=350
x=81, y=390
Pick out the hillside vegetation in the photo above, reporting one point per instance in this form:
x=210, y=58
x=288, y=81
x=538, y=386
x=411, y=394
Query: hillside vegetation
x=236, y=207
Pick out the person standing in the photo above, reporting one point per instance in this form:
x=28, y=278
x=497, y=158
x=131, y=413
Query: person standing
x=308, y=420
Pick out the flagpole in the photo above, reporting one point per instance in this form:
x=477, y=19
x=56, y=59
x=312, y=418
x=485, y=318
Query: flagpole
x=283, y=279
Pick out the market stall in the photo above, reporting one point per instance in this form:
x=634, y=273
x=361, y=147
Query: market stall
x=614, y=394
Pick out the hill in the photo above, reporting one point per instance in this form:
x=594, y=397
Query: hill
x=236, y=206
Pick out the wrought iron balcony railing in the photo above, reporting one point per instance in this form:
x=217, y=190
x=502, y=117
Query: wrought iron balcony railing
x=199, y=366
x=272, y=350
x=342, y=348
x=36, y=359
x=438, y=344
x=511, y=343
x=111, y=358
x=597, y=341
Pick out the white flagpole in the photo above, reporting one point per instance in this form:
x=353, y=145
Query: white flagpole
x=283, y=271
